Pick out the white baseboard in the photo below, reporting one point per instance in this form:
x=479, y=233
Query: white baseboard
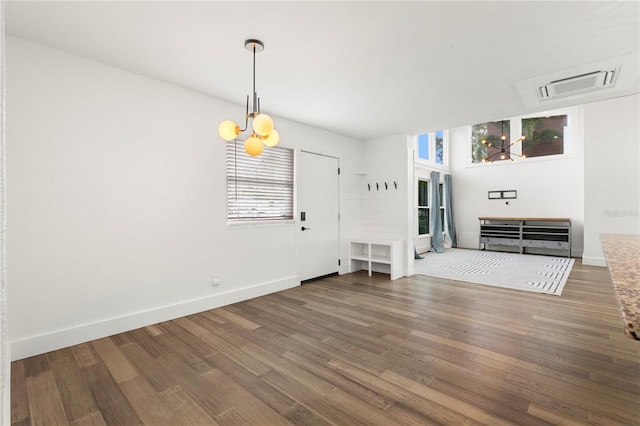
x=594, y=261
x=39, y=344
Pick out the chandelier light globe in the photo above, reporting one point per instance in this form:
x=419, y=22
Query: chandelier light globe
x=271, y=139
x=262, y=124
x=228, y=130
x=254, y=146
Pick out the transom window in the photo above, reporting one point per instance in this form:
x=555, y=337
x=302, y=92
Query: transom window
x=545, y=135
x=432, y=147
x=491, y=132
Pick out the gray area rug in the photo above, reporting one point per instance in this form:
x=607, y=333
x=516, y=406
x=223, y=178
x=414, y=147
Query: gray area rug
x=540, y=274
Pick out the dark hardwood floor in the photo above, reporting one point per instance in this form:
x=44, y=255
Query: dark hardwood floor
x=354, y=350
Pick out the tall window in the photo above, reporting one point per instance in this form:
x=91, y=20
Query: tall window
x=423, y=207
x=543, y=135
x=259, y=188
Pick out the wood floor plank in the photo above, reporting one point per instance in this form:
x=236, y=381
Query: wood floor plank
x=552, y=417
x=302, y=416
x=85, y=355
x=491, y=401
x=117, y=364
x=307, y=396
x=146, y=402
x=185, y=410
x=237, y=319
x=251, y=364
x=19, y=395
x=148, y=367
x=45, y=404
x=308, y=383
x=262, y=390
x=253, y=410
x=355, y=350
x=114, y=407
x=429, y=409
x=36, y=365
x=175, y=345
x=147, y=342
x=93, y=419
x=445, y=400
x=191, y=326
x=330, y=376
x=74, y=391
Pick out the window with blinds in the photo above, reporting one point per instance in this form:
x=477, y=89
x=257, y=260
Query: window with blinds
x=259, y=188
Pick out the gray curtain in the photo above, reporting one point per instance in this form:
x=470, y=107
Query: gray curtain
x=448, y=211
x=437, y=245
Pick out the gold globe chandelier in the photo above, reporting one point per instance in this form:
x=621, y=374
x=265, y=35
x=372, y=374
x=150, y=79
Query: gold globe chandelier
x=502, y=152
x=263, y=132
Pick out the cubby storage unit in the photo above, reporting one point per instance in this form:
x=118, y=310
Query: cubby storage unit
x=523, y=233
x=376, y=255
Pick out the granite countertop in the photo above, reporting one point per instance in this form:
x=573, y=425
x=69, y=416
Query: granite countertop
x=623, y=257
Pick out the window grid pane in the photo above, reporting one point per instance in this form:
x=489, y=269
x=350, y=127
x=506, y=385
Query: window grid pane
x=423, y=146
x=440, y=147
x=492, y=132
x=543, y=135
x=423, y=207
x=423, y=221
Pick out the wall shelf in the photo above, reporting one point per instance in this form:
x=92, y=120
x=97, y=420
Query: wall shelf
x=376, y=255
x=524, y=233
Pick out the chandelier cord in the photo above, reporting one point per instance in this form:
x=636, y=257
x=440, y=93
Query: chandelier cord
x=255, y=95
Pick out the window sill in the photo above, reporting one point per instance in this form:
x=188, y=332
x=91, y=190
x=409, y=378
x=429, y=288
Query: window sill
x=260, y=224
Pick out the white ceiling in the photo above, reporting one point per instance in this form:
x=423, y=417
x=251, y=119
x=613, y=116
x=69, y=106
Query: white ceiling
x=361, y=69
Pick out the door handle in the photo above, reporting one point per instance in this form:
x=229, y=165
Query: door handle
x=305, y=229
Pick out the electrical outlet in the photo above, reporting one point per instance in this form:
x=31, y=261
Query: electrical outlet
x=215, y=280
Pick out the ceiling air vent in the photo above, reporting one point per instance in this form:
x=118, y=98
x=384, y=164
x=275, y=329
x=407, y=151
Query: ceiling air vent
x=583, y=83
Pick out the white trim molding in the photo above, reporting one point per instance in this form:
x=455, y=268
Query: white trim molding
x=34, y=345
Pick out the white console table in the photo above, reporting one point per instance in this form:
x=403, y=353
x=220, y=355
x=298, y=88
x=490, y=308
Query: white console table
x=376, y=255
x=526, y=232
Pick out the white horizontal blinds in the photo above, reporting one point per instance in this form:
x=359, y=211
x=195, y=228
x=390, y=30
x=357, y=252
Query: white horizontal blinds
x=259, y=188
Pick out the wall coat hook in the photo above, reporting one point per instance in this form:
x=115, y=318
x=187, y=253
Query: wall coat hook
x=369, y=186
x=395, y=184
x=377, y=187
x=385, y=186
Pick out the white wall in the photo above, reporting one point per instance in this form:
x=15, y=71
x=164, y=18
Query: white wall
x=546, y=188
x=612, y=177
x=116, y=189
x=386, y=211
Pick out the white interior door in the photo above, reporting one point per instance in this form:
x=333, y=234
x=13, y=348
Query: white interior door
x=318, y=215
